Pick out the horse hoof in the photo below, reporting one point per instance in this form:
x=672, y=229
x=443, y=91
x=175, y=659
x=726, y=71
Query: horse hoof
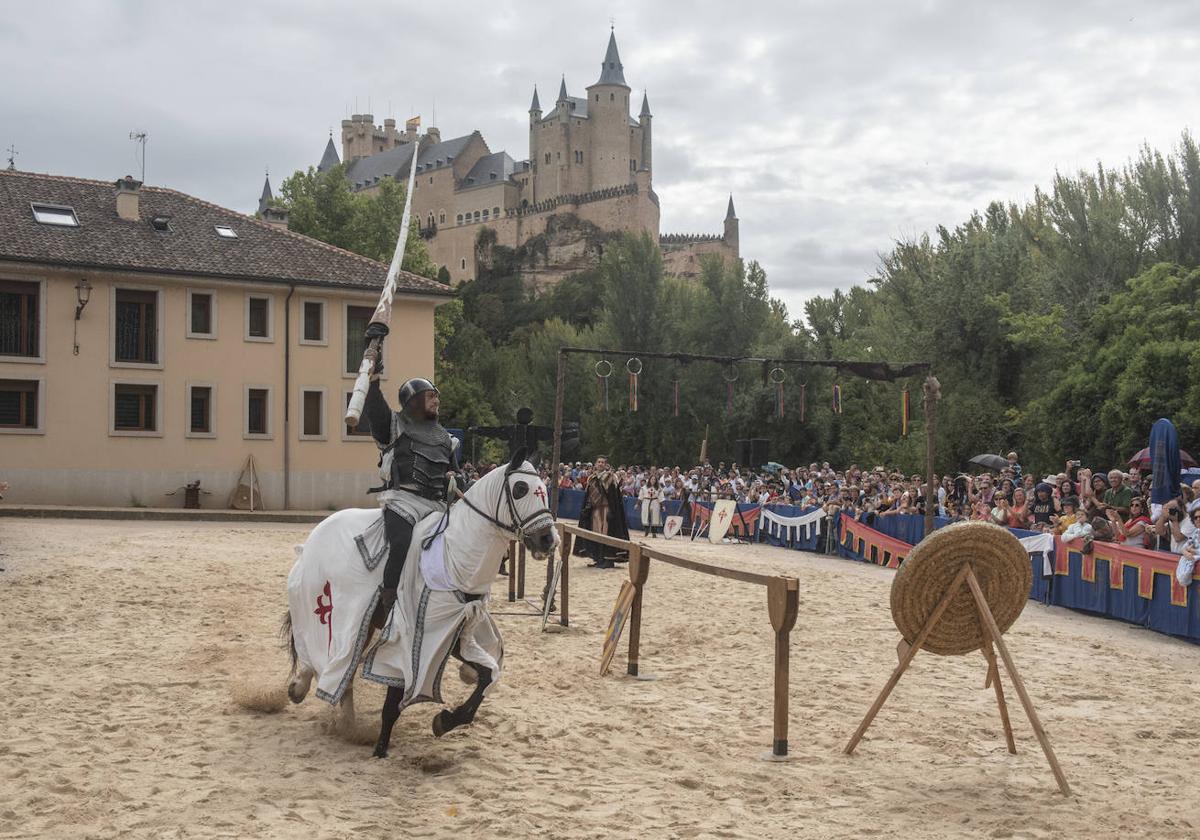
x=443, y=722
x=380, y=751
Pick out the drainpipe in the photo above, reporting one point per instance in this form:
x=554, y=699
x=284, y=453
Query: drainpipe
x=287, y=398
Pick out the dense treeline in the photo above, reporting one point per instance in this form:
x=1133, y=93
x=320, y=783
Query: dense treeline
x=1062, y=327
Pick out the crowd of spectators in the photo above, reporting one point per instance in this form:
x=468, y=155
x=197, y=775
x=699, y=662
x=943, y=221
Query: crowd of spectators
x=1077, y=503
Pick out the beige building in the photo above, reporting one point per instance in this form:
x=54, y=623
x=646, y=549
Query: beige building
x=587, y=157
x=149, y=339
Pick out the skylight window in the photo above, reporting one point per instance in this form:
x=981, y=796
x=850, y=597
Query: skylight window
x=55, y=214
x=225, y=231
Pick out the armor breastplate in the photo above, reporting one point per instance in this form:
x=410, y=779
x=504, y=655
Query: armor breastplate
x=418, y=457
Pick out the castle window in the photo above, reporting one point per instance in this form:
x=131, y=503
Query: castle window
x=459, y=220
x=558, y=155
x=441, y=217
x=493, y=178
x=632, y=165
x=547, y=157
x=578, y=157
x=496, y=212
x=612, y=97
x=464, y=263
x=431, y=179
x=597, y=97
x=485, y=214
x=477, y=215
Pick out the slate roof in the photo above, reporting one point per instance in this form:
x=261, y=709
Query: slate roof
x=729, y=214
x=264, y=200
x=330, y=159
x=490, y=169
x=397, y=161
x=611, y=70
x=535, y=105
x=190, y=246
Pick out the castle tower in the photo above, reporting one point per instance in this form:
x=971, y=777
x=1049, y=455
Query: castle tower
x=330, y=159
x=608, y=114
x=731, y=229
x=264, y=200
x=644, y=121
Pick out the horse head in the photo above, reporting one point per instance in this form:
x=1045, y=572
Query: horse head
x=521, y=504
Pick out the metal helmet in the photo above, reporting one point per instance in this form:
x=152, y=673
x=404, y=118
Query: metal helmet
x=413, y=387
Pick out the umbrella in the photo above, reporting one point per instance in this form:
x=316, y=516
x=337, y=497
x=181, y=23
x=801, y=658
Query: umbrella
x=989, y=462
x=774, y=466
x=1142, y=459
x=1164, y=463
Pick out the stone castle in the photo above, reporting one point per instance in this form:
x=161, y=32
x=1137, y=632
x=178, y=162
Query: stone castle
x=588, y=158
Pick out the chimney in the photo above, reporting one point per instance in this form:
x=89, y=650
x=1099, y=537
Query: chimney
x=276, y=217
x=434, y=134
x=127, y=198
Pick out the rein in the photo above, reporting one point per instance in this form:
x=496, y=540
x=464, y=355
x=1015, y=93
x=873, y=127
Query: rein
x=516, y=526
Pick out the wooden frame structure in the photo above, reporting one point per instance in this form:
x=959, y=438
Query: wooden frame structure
x=931, y=390
x=992, y=636
x=783, y=600
x=516, y=581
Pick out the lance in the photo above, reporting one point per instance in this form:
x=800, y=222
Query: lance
x=383, y=311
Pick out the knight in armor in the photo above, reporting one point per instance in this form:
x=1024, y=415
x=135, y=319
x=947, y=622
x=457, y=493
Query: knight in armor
x=417, y=460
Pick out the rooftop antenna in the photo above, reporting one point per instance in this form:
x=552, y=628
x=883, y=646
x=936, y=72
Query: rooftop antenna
x=12, y=157
x=140, y=138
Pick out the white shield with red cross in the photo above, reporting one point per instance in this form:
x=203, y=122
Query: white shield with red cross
x=722, y=517
x=672, y=526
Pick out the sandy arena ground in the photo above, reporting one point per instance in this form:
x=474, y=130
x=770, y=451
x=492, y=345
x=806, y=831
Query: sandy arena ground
x=123, y=641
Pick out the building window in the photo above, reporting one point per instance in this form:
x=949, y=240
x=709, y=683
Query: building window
x=200, y=410
x=495, y=212
x=201, y=314
x=258, y=318
x=547, y=157
x=441, y=217
x=578, y=156
x=459, y=221
x=258, y=412
x=314, y=322
x=225, y=231
x=313, y=413
x=19, y=404
x=137, y=326
x=361, y=430
x=612, y=97
x=632, y=165
x=464, y=263
x=357, y=318
x=477, y=215
x=485, y=214
x=55, y=214
x=20, y=318
x=135, y=408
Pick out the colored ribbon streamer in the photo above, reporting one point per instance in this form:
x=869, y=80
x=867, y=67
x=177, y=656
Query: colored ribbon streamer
x=729, y=398
x=633, y=392
x=675, y=398
x=779, y=410
x=803, y=401
x=837, y=398
x=905, y=413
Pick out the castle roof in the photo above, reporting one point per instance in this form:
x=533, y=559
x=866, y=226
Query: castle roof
x=729, y=214
x=397, y=161
x=189, y=246
x=562, y=89
x=535, y=105
x=264, y=200
x=489, y=169
x=330, y=159
x=645, y=106
x=611, y=70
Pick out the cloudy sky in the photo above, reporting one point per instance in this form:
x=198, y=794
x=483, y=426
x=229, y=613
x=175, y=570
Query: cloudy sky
x=839, y=127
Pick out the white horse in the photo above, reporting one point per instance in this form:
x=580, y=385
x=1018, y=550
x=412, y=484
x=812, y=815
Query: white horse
x=441, y=603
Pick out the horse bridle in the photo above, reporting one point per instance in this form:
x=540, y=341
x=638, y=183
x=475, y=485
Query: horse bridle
x=517, y=526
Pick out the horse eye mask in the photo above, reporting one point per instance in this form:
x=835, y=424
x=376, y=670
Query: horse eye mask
x=519, y=490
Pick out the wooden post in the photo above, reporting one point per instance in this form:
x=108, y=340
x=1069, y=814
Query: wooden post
x=783, y=602
x=907, y=658
x=993, y=630
x=512, y=570
x=994, y=679
x=933, y=392
x=639, y=568
x=564, y=581
x=559, y=389
x=520, y=571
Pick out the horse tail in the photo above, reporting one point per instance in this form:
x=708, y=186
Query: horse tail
x=287, y=640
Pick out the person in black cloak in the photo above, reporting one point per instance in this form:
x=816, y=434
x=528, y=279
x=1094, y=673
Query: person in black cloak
x=605, y=493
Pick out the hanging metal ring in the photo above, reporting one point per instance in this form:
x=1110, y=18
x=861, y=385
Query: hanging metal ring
x=604, y=368
x=732, y=369
x=776, y=376
x=629, y=365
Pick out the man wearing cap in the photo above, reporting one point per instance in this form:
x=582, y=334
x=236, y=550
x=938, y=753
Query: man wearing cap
x=417, y=461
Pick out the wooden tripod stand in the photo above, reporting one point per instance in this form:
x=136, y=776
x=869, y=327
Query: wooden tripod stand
x=992, y=636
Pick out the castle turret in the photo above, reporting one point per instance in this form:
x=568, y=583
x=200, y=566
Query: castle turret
x=608, y=113
x=731, y=229
x=644, y=121
x=330, y=159
x=264, y=200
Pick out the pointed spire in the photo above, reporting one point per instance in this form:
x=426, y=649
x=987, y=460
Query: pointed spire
x=562, y=89
x=535, y=105
x=330, y=159
x=645, y=106
x=264, y=200
x=729, y=214
x=611, y=71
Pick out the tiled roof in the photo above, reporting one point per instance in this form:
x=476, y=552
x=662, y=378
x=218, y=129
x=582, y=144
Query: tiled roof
x=397, y=161
x=190, y=246
x=489, y=169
